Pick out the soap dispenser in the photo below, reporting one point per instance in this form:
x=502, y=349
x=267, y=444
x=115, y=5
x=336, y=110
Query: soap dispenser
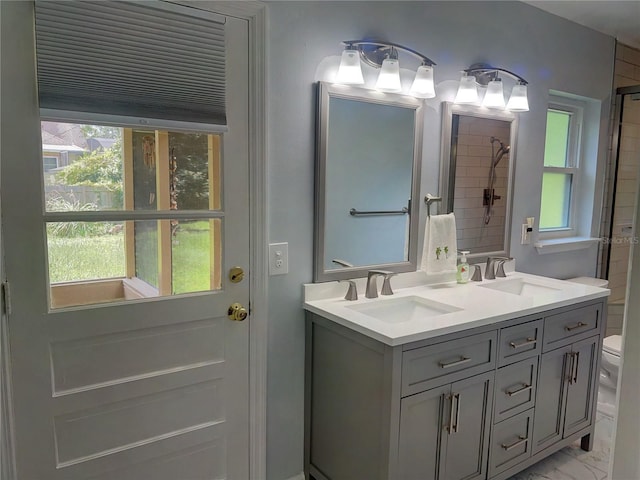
x=462, y=276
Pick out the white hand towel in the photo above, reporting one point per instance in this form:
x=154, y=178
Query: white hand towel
x=440, y=245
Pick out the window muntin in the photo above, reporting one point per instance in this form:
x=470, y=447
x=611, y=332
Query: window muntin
x=561, y=169
x=94, y=259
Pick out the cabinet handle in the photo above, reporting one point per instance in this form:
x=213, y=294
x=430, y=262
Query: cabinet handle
x=450, y=398
x=455, y=363
x=521, y=440
x=577, y=361
x=528, y=341
x=571, y=356
x=456, y=426
x=577, y=325
x=524, y=388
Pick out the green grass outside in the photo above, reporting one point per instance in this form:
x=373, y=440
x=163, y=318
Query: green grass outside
x=73, y=258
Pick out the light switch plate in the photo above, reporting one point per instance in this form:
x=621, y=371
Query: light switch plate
x=278, y=258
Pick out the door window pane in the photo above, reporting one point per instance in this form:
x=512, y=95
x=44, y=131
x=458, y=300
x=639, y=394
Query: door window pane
x=91, y=175
x=85, y=251
x=195, y=256
x=556, y=196
x=194, y=171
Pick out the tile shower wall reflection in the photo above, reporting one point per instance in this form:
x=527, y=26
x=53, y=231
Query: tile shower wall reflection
x=473, y=167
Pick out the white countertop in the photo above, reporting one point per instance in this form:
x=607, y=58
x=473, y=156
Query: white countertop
x=478, y=306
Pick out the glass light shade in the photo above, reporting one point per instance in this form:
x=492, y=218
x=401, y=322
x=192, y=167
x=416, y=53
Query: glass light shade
x=389, y=77
x=494, y=98
x=423, y=86
x=350, y=72
x=518, y=101
x=467, y=91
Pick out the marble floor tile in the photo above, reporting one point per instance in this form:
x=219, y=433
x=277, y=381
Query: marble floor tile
x=573, y=463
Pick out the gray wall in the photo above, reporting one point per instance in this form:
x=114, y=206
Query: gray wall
x=550, y=52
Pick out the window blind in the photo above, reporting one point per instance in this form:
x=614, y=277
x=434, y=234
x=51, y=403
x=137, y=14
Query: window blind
x=147, y=60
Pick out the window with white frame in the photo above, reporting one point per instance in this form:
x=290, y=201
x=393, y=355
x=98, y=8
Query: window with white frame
x=561, y=176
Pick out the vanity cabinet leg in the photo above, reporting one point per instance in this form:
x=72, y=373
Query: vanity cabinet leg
x=586, y=443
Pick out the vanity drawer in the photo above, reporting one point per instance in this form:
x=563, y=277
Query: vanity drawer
x=519, y=342
x=510, y=442
x=570, y=326
x=427, y=367
x=515, y=389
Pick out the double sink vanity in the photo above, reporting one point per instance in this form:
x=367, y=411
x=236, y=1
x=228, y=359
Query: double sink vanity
x=449, y=381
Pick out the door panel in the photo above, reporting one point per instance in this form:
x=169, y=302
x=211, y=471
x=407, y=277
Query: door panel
x=468, y=443
x=550, y=398
x=156, y=388
x=580, y=395
x=424, y=418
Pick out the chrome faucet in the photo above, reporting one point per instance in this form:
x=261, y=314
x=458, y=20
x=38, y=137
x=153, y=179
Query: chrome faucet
x=490, y=272
x=372, y=286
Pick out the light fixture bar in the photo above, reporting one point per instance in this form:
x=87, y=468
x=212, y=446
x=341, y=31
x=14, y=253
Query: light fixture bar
x=374, y=52
x=485, y=73
x=489, y=76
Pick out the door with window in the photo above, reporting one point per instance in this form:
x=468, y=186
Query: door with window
x=128, y=267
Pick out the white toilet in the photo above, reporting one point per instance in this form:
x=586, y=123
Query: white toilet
x=609, y=367
x=610, y=362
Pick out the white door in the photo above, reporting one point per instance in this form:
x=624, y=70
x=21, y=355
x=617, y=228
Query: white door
x=148, y=389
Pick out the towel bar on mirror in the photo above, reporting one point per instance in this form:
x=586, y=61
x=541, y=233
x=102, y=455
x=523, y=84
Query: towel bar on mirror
x=355, y=213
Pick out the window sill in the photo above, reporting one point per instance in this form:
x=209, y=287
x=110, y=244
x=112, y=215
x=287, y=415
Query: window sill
x=566, y=244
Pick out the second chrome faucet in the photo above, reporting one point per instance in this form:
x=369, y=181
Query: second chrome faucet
x=372, y=284
x=491, y=272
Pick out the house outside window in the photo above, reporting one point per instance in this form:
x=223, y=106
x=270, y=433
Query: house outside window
x=562, y=168
x=49, y=163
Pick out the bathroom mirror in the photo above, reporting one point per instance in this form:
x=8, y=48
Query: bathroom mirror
x=369, y=150
x=478, y=155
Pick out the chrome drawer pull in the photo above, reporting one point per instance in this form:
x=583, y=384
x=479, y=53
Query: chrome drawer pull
x=521, y=440
x=525, y=388
x=456, y=363
x=577, y=325
x=528, y=341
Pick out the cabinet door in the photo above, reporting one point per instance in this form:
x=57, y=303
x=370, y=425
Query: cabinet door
x=467, y=444
x=550, y=398
x=424, y=422
x=580, y=394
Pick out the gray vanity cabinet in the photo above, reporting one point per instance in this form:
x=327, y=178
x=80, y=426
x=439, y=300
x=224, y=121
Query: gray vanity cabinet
x=482, y=403
x=444, y=431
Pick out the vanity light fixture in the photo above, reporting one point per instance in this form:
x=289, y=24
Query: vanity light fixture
x=384, y=55
x=488, y=76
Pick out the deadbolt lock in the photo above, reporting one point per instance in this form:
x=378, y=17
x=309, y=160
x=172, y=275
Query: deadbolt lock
x=236, y=274
x=237, y=312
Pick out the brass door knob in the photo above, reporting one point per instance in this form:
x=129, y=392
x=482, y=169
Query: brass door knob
x=237, y=312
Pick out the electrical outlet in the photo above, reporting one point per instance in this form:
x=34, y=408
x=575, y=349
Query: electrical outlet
x=527, y=229
x=278, y=258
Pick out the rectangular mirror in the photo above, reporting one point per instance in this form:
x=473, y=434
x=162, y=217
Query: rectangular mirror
x=369, y=150
x=478, y=158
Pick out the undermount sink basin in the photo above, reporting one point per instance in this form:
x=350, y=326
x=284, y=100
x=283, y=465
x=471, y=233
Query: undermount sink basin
x=519, y=286
x=403, y=309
